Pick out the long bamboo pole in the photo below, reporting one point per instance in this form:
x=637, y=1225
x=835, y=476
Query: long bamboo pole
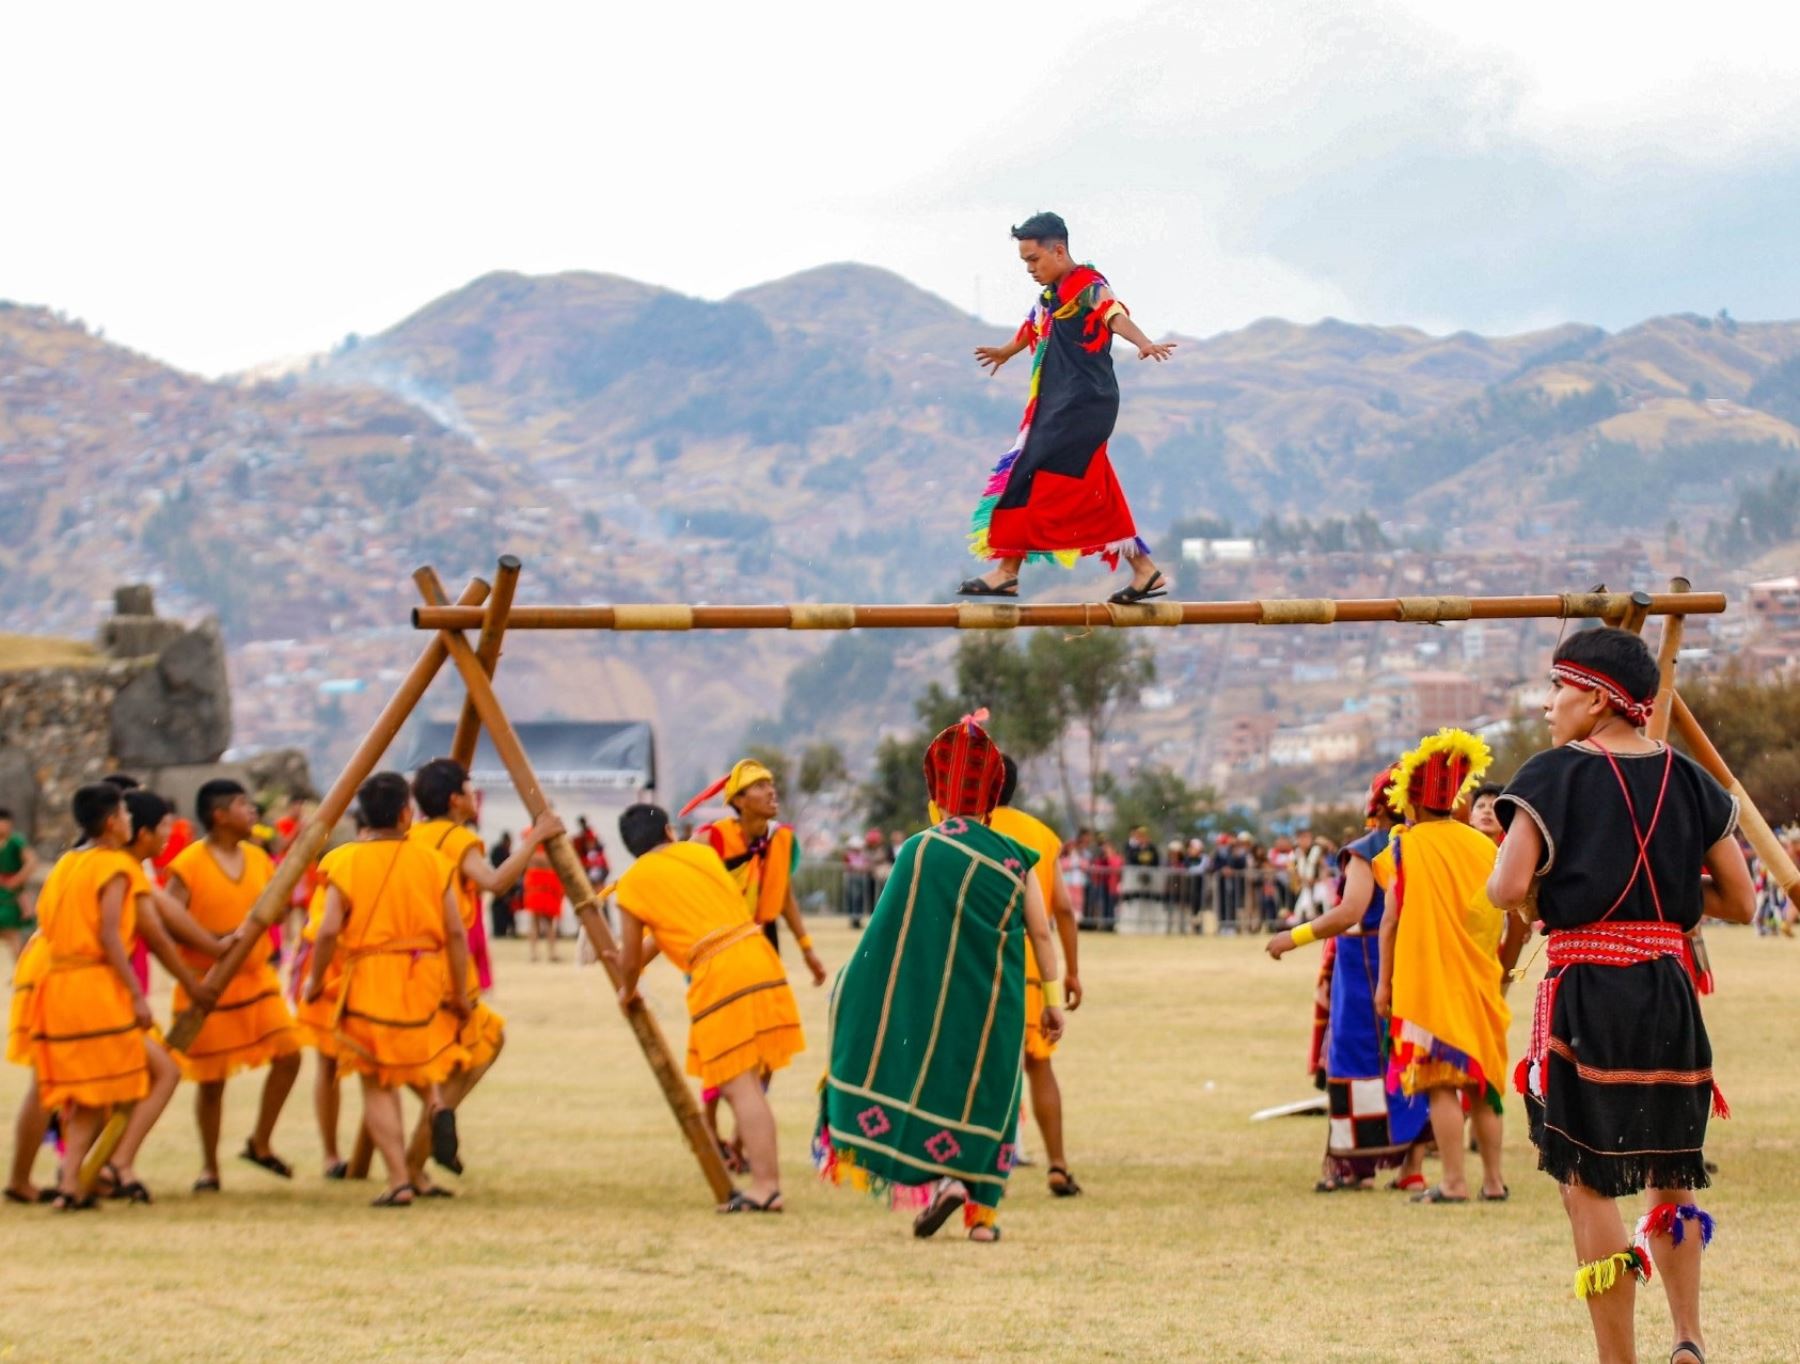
x=487, y=649
x=575, y=884
x=310, y=841
x=1668, y=653
x=1008, y=615
x=1762, y=838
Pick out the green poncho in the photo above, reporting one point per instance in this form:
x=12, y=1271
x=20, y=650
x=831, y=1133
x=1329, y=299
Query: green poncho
x=928, y=1022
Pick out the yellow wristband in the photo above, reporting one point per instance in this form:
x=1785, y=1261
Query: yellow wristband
x=1053, y=994
x=804, y=942
x=1303, y=935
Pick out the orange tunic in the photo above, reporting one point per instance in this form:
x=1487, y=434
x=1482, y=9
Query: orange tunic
x=390, y=1021
x=34, y=958
x=741, y=1013
x=250, y=1026
x=485, y=1031
x=763, y=876
x=82, y=1038
x=314, y=1020
x=1031, y=832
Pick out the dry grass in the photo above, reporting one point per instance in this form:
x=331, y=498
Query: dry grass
x=584, y=1232
x=18, y=652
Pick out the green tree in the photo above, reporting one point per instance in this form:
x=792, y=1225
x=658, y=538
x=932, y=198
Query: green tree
x=894, y=796
x=1525, y=734
x=1089, y=680
x=1159, y=799
x=1755, y=724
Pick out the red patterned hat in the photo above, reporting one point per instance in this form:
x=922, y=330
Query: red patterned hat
x=963, y=771
x=1378, y=803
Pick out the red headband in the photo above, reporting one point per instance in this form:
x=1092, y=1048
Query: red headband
x=1584, y=678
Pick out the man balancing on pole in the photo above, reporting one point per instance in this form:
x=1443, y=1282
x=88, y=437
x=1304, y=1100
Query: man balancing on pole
x=1053, y=496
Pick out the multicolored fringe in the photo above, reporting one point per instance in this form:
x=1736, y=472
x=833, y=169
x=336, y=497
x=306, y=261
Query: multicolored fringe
x=1670, y=1220
x=838, y=1166
x=1414, y=1047
x=1600, y=1276
x=979, y=1215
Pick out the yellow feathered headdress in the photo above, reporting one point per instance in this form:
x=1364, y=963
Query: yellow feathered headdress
x=745, y=772
x=1439, y=772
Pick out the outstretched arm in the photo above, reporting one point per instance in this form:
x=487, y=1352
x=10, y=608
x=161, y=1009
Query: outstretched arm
x=991, y=358
x=1359, y=890
x=1147, y=349
x=498, y=880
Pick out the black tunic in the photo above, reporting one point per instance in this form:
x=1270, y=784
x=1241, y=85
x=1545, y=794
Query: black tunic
x=1628, y=1083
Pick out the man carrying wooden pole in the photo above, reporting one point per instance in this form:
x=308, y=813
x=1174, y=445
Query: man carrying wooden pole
x=573, y=875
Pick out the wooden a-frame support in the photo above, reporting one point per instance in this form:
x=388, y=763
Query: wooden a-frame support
x=491, y=610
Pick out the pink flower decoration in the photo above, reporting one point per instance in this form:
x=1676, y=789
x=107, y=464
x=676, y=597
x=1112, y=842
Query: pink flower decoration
x=943, y=1147
x=873, y=1122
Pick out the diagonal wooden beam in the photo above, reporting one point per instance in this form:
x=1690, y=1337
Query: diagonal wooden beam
x=311, y=839
x=1668, y=652
x=575, y=884
x=1762, y=838
x=487, y=649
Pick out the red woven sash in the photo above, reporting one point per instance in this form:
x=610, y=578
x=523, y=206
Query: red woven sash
x=1626, y=942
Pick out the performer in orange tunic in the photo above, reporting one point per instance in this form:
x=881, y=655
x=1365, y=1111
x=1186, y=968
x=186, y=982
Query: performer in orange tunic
x=87, y=1021
x=1046, y=1094
x=743, y=1021
x=393, y=906
x=313, y=1019
x=447, y=802
x=218, y=879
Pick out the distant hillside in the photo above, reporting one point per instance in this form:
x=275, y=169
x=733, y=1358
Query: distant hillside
x=817, y=437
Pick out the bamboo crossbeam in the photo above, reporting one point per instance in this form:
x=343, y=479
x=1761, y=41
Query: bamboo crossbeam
x=580, y=893
x=487, y=649
x=1003, y=616
x=1762, y=838
x=311, y=839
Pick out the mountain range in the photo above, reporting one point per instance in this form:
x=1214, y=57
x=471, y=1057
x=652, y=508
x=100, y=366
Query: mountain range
x=818, y=437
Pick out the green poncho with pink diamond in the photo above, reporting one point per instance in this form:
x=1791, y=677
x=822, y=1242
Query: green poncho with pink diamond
x=928, y=1023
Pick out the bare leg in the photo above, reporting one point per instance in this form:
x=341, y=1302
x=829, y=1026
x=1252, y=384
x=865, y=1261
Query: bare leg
x=78, y=1137
x=449, y=1095
x=1679, y=1269
x=1447, y=1127
x=1143, y=569
x=28, y=1135
x=756, y=1127
x=209, y=1113
x=1488, y=1129
x=326, y=1101
x=283, y=1071
x=1046, y=1108
x=165, y=1075
x=1415, y=1161
x=1599, y=1232
x=381, y=1115
x=537, y=928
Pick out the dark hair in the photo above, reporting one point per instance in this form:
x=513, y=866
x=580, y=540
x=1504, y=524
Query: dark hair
x=1619, y=654
x=1042, y=227
x=384, y=798
x=213, y=794
x=1487, y=788
x=93, y=805
x=5, y=813
x=147, y=810
x=435, y=783
x=643, y=827
x=121, y=781
x=1009, y=783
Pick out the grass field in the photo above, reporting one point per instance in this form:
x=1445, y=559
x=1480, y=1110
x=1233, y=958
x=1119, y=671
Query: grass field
x=583, y=1230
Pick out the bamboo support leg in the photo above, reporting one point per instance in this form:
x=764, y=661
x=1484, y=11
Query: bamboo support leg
x=575, y=884
x=310, y=841
x=487, y=649
x=1667, y=652
x=1762, y=838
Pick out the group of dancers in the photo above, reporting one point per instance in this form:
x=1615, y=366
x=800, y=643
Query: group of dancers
x=954, y=998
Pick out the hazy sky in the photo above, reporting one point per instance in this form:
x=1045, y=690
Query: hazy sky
x=221, y=185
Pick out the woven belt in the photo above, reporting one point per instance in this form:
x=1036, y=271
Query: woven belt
x=718, y=940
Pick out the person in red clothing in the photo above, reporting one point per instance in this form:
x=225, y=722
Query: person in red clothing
x=542, y=901
x=1053, y=496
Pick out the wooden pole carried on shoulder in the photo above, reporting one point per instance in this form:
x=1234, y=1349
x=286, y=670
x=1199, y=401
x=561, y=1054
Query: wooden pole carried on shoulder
x=309, y=843
x=1668, y=653
x=575, y=884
